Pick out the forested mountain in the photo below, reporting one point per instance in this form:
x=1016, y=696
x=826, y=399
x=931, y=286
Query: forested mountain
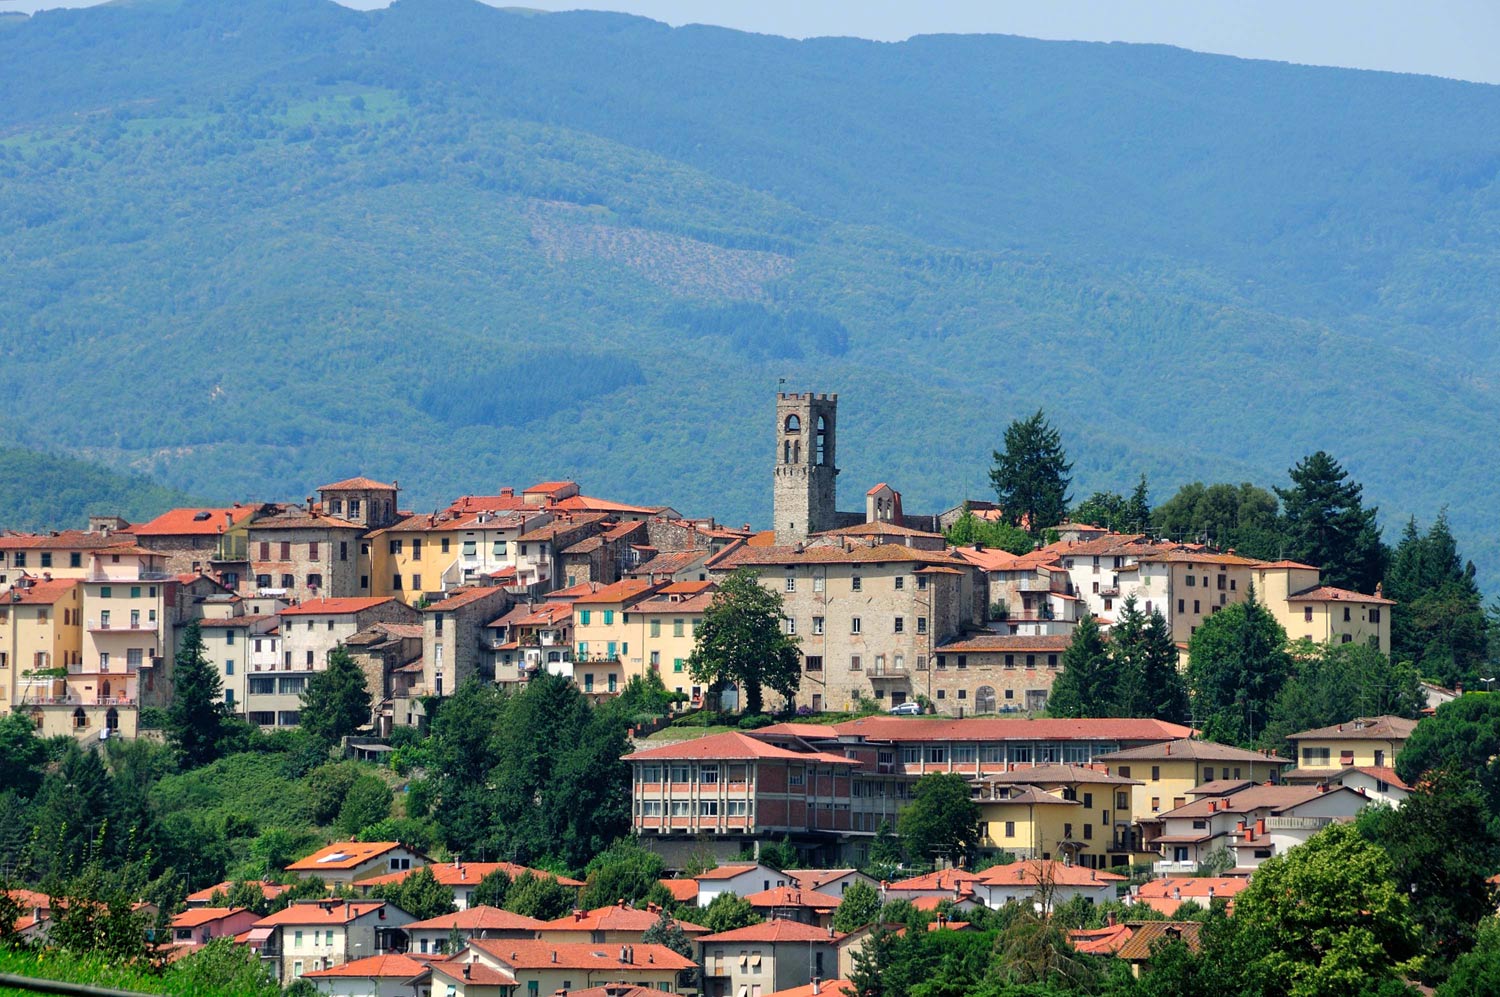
x=247, y=247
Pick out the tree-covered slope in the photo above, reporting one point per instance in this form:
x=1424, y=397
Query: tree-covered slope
x=40, y=491
x=251, y=246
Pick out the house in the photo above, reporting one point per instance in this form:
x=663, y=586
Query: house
x=35, y=917
x=943, y=884
x=985, y=673
x=229, y=634
x=767, y=957
x=456, y=977
x=390, y=655
x=741, y=879
x=792, y=903
x=1167, y=771
x=41, y=636
x=206, y=897
x=1077, y=812
x=202, y=540
x=1148, y=934
x=1168, y=894
x=543, y=968
x=432, y=935
x=530, y=639
x=835, y=882
x=1381, y=785
x=309, y=632
x=619, y=924
x=1044, y=883
x=454, y=637
x=1365, y=742
x=197, y=926
x=345, y=863
x=463, y=877
x=387, y=975
x=1323, y=614
x=684, y=890
x=603, y=631
x=669, y=620
x=299, y=552
x=310, y=935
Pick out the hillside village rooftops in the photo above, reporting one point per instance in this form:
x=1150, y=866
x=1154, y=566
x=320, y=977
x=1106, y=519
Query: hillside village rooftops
x=775, y=930
x=670, y=562
x=617, y=917
x=335, y=607
x=557, y=489
x=479, y=918
x=64, y=540
x=566, y=524
x=1146, y=934
x=726, y=872
x=682, y=890
x=1189, y=747
x=947, y=880
x=1042, y=775
x=1198, y=557
x=1328, y=593
x=461, y=598
x=1380, y=773
x=343, y=855
x=194, y=521
x=373, y=967
x=1360, y=729
x=732, y=745
x=320, y=912
x=297, y=518
x=1022, y=793
x=196, y=916
x=625, y=590
x=793, y=896
x=360, y=484
x=461, y=873
x=588, y=503
x=748, y=555
x=1032, y=872
x=878, y=529
x=42, y=592
x=816, y=879
x=526, y=954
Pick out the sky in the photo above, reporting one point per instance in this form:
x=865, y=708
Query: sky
x=1453, y=38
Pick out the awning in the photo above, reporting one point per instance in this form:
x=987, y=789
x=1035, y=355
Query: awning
x=258, y=936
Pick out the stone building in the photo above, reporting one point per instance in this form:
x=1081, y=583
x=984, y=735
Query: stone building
x=386, y=652
x=805, y=485
x=201, y=540
x=455, y=638
x=298, y=553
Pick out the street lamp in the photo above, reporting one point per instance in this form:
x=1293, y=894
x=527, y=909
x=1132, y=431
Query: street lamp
x=1488, y=682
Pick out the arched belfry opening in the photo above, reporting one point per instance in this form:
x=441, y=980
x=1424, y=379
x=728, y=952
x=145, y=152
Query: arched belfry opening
x=804, y=487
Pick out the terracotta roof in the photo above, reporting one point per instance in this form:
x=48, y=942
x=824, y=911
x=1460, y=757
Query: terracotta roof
x=1327, y=593
x=334, y=607
x=774, y=930
x=1166, y=895
x=793, y=896
x=731, y=745
x=877, y=529
x=1100, y=941
x=575, y=591
x=479, y=918
x=395, y=966
x=587, y=503
x=488, y=503
x=625, y=590
x=1361, y=728
x=1147, y=933
x=1034, y=871
x=1379, y=773
x=268, y=890
x=621, y=990
x=828, y=988
x=357, y=485
x=816, y=879
x=1031, y=795
x=686, y=604
x=343, y=855
x=1198, y=557
x=400, y=629
x=1111, y=543
x=39, y=593
x=550, y=531
x=671, y=562
x=615, y=918
x=1006, y=644
x=461, y=873
x=879, y=728
x=727, y=871
x=942, y=879
x=63, y=540
x=193, y=522
x=1039, y=775
x=479, y=974
x=1220, y=787
x=878, y=554
x=297, y=518
x=682, y=890
x=1184, y=747
x=458, y=600
x=549, y=487
x=194, y=916
x=1250, y=798
x=1285, y=564
x=320, y=912
x=527, y=954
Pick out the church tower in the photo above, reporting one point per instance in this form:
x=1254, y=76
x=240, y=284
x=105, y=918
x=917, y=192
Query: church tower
x=804, y=495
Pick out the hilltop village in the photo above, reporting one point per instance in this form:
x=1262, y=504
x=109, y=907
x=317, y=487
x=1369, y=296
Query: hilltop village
x=778, y=834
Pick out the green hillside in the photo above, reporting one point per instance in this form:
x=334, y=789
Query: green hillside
x=251, y=247
x=40, y=491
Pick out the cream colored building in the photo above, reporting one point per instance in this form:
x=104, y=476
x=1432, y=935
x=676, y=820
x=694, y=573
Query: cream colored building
x=669, y=622
x=607, y=633
x=543, y=968
x=1074, y=812
x=1365, y=742
x=1167, y=773
x=1321, y=613
x=41, y=629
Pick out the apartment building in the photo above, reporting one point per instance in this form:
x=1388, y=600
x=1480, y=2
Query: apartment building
x=530, y=639
x=201, y=540
x=63, y=554
x=1029, y=594
x=470, y=543
x=229, y=636
x=312, y=935
x=868, y=618
x=986, y=672
x=1321, y=613
x=41, y=632
x=1167, y=773
x=669, y=620
x=542, y=968
x=1364, y=742
x=1078, y=813
x=604, y=626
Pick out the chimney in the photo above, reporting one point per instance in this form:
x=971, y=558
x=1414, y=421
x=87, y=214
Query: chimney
x=1176, y=893
x=554, y=955
x=348, y=910
x=577, y=914
x=468, y=970
x=1260, y=827
x=817, y=986
x=1210, y=891
x=1110, y=919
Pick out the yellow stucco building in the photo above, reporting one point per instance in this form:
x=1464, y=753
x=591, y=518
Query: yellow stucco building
x=41, y=637
x=1365, y=742
x=1076, y=812
x=1320, y=613
x=1166, y=773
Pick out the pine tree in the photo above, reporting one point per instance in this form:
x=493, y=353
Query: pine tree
x=1438, y=622
x=1031, y=477
x=1127, y=654
x=1326, y=524
x=1138, y=508
x=1086, y=687
x=195, y=719
x=336, y=701
x=1237, y=665
x=871, y=960
x=1161, y=676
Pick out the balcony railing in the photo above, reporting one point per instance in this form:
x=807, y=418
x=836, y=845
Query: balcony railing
x=1174, y=868
x=888, y=671
x=135, y=626
x=129, y=574
x=113, y=668
x=1297, y=823
x=1034, y=585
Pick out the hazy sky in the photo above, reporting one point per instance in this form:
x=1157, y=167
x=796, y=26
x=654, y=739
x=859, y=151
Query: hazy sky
x=1457, y=38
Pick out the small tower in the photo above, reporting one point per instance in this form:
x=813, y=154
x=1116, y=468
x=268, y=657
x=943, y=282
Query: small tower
x=805, y=486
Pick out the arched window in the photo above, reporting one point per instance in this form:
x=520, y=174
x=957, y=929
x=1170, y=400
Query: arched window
x=984, y=700
x=793, y=424
x=112, y=719
x=80, y=719
x=104, y=690
x=786, y=452
x=822, y=444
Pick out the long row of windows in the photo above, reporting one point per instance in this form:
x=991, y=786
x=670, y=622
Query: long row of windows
x=686, y=808
x=284, y=550
x=44, y=558
x=857, y=583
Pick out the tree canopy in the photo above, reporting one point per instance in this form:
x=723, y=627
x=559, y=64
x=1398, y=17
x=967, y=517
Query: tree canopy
x=1325, y=523
x=336, y=700
x=741, y=639
x=942, y=821
x=1031, y=475
x=1237, y=663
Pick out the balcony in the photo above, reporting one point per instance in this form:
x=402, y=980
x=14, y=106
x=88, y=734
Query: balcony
x=1297, y=823
x=113, y=668
x=1174, y=868
x=1034, y=585
x=887, y=672
x=1109, y=592
x=230, y=550
x=127, y=626
x=128, y=573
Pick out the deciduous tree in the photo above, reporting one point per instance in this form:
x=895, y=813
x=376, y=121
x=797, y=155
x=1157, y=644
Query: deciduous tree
x=942, y=820
x=741, y=639
x=859, y=906
x=727, y=912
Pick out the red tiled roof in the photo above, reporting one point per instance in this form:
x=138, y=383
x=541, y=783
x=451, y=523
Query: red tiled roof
x=1247, y=799
x=357, y=485
x=1059, y=773
x=40, y=592
x=879, y=554
x=621, y=591
x=1285, y=564
x=334, y=607
x=1100, y=941
x=1034, y=871
x=731, y=744
x=187, y=522
x=682, y=890
x=528, y=954
x=385, y=967
x=877, y=529
x=320, y=912
x=587, y=503
x=461, y=873
x=1327, y=593
x=620, y=990
x=1147, y=933
x=942, y=879
x=1361, y=728
x=816, y=879
x=793, y=896
x=479, y=918
x=195, y=916
x=343, y=855
x=63, y=540
x=479, y=974
x=614, y=918
x=1006, y=643
x=775, y=930
x=828, y=988
x=727, y=871
x=459, y=600
x=548, y=487
x=268, y=890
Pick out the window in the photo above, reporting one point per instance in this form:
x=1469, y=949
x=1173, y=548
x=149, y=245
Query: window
x=416, y=582
x=788, y=625
x=75, y=560
x=921, y=624
x=856, y=583
x=794, y=775
x=1316, y=757
x=900, y=582
x=791, y=583
x=817, y=626
x=1156, y=773
x=963, y=661
x=396, y=582
x=1374, y=616
x=315, y=581
x=678, y=664
x=584, y=616
x=900, y=625
x=854, y=663
x=1180, y=608
x=286, y=550
x=817, y=583
x=1088, y=801
x=1195, y=606
x=1307, y=614
x=854, y=625
x=655, y=627
x=46, y=559
x=677, y=627
x=814, y=662
x=228, y=662
x=609, y=617
x=309, y=659
x=1010, y=829
x=1191, y=581
x=921, y=583
x=105, y=591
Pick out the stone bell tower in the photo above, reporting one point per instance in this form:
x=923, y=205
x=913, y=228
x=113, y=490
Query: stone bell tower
x=805, y=485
